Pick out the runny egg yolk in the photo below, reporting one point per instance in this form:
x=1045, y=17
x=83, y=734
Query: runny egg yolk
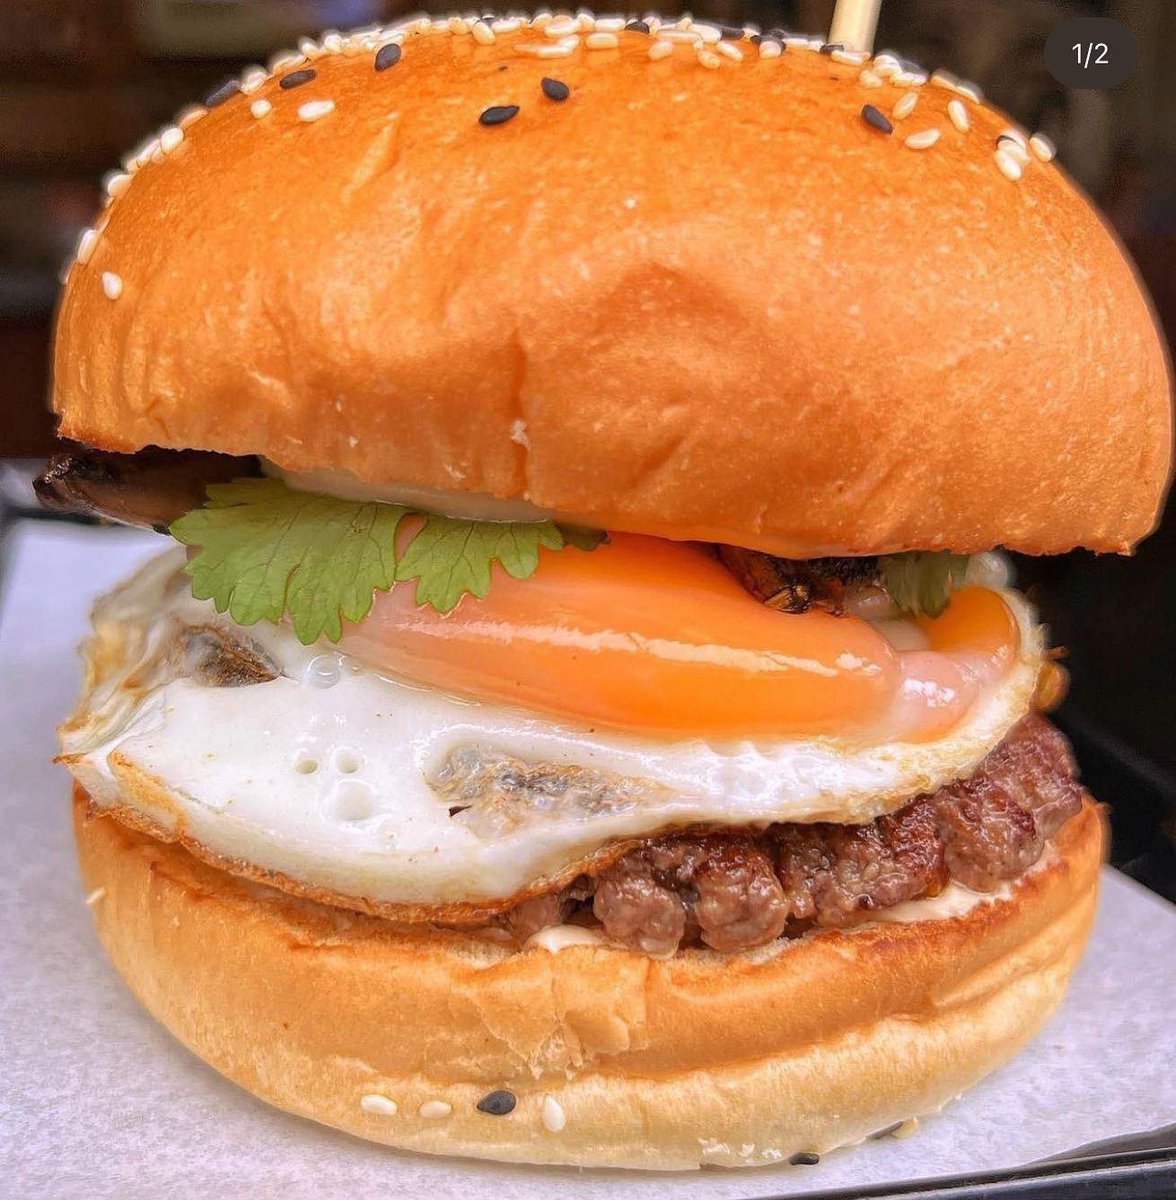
x=658, y=637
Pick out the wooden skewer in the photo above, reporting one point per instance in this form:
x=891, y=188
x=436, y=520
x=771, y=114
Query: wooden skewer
x=854, y=23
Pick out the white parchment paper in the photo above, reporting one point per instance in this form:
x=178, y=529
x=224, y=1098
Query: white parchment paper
x=97, y=1101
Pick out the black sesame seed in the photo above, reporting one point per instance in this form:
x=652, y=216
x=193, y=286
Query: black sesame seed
x=388, y=56
x=756, y=38
x=887, y=1132
x=877, y=118
x=731, y=33
x=498, y=114
x=806, y=1158
x=221, y=93
x=498, y=1103
x=297, y=78
x=555, y=89
x=829, y=47
x=503, y=66
x=637, y=26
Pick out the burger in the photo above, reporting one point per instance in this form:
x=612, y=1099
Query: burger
x=583, y=713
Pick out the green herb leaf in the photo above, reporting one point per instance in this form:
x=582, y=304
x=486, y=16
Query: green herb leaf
x=921, y=582
x=266, y=550
x=450, y=557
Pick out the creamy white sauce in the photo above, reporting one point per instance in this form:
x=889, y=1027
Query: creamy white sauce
x=954, y=901
x=322, y=773
x=559, y=937
x=472, y=506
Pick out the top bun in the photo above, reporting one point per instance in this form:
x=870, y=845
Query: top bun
x=714, y=304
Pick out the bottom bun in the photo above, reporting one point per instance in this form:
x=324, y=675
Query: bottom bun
x=615, y=1059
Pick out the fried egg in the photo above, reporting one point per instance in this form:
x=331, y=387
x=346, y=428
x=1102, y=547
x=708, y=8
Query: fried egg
x=347, y=778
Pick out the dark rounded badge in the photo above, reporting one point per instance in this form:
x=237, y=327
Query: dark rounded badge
x=1091, y=52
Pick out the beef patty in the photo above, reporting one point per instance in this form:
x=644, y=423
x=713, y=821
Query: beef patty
x=737, y=889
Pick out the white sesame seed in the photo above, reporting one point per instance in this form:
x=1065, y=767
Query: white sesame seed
x=958, y=114
x=887, y=64
x=434, y=1110
x=685, y=22
x=610, y=24
x=309, y=47
x=923, y=140
x=730, y=50
x=1014, y=135
x=116, y=183
x=601, y=41
x=971, y=91
x=518, y=433
x=943, y=78
x=483, y=34
x=908, y=79
x=458, y=25
x=552, y=1115
x=333, y=41
x=312, y=110
x=561, y=27
x=112, y=285
x=1017, y=151
x=680, y=37
x=170, y=138
x=373, y=1102
x=905, y=105
x=663, y=49
x=1042, y=147
x=585, y=21
x=709, y=59
x=261, y=107
x=193, y=112
x=1009, y=167
x=870, y=79
x=507, y=25
x=770, y=49
x=147, y=151
x=252, y=80
x=849, y=58
x=95, y=896
x=709, y=34
x=286, y=58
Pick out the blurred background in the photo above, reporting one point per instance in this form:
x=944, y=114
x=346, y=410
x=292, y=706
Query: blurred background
x=82, y=81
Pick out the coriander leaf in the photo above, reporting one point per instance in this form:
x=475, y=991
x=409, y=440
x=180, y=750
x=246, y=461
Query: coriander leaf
x=921, y=582
x=266, y=549
x=450, y=557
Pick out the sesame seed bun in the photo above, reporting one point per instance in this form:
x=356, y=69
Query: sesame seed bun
x=613, y=1058
x=721, y=304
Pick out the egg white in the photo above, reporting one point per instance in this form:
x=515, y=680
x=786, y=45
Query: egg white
x=323, y=773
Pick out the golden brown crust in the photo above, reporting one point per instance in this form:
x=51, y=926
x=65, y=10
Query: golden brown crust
x=795, y=333
x=654, y=1063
